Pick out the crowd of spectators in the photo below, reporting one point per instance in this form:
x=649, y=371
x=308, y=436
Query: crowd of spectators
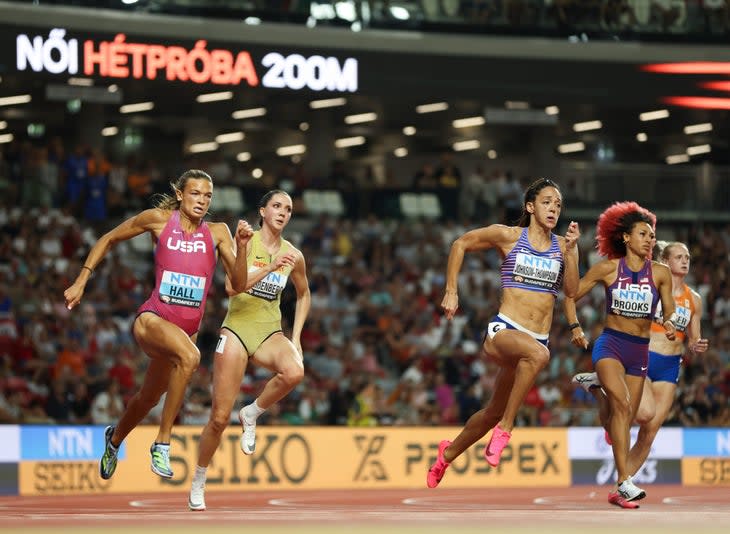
x=377, y=350
x=524, y=16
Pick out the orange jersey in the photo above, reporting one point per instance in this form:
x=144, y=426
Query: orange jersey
x=684, y=307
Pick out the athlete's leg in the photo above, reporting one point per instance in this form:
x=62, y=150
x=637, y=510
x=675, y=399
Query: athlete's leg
x=624, y=394
x=590, y=383
x=485, y=419
x=647, y=406
x=155, y=383
x=161, y=339
x=604, y=408
x=527, y=356
x=278, y=354
x=662, y=394
x=229, y=365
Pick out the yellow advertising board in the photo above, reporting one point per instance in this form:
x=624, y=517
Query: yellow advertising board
x=312, y=458
x=706, y=471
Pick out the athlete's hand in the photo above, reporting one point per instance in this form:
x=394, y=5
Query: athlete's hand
x=243, y=234
x=285, y=259
x=578, y=338
x=700, y=345
x=73, y=294
x=450, y=304
x=670, y=330
x=572, y=235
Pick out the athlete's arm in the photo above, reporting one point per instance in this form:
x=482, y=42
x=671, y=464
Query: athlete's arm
x=697, y=343
x=304, y=300
x=571, y=276
x=600, y=272
x=495, y=235
x=233, y=263
x=254, y=277
x=151, y=220
x=663, y=283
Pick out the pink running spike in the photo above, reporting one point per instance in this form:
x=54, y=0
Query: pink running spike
x=607, y=437
x=436, y=473
x=615, y=498
x=496, y=445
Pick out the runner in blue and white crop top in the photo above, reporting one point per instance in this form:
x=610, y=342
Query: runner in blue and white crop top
x=526, y=268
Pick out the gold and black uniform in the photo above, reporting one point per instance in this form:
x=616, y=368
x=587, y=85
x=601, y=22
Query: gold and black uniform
x=255, y=315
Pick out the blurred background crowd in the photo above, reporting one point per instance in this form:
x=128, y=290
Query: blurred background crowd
x=377, y=349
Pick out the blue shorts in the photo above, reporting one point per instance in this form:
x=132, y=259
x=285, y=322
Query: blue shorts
x=663, y=368
x=631, y=351
x=502, y=322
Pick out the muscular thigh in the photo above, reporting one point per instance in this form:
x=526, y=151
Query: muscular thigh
x=229, y=364
x=635, y=384
x=278, y=353
x=507, y=347
x=159, y=338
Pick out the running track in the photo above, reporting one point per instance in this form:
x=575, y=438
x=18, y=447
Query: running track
x=578, y=510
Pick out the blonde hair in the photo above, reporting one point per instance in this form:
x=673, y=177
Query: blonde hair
x=664, y=248
x=170, y=202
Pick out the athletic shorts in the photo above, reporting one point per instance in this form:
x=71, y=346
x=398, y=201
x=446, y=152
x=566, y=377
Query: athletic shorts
x=631, y=351
x=663, y=368
x=188, y=319
x=251, y=334
x=502, y=322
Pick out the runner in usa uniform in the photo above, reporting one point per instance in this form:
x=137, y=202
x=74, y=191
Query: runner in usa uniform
x=634, y=284
x=665, y=356
x=536, y=264
x=252, y=330
x=167, y=323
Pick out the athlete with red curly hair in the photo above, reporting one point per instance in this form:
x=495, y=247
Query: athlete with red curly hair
x=665, y=356
x=634, y=286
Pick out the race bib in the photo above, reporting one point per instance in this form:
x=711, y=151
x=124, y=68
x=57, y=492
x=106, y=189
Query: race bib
x=634, y=303
x=535, y=270
x=682, y=318
x=182, y=289
x=269, y=287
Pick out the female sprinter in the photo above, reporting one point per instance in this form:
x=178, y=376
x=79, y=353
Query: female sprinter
x=634, y=286
x=252, y=329
x=665, y=356
x=167, y=324
x=536, y=264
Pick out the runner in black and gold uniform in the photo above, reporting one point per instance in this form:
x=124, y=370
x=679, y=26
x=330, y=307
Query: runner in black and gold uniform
x=252, y=329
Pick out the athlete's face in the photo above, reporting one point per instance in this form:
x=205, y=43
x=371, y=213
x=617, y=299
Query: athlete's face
x=277, y=211
x=546, y=206
x=195, y=197
x=678, y=260
x=641, y=239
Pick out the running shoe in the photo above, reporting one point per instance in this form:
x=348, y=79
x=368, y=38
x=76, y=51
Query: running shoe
x=629, y=491
x=161, y=459
x=607, y=437
x=436, y=473
x=196, y=501
x=587, y=381
x=108, y=463
x=496, y=445
x=615, y=498
x=248, y=438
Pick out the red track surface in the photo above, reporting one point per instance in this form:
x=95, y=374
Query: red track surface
x=580, y=509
